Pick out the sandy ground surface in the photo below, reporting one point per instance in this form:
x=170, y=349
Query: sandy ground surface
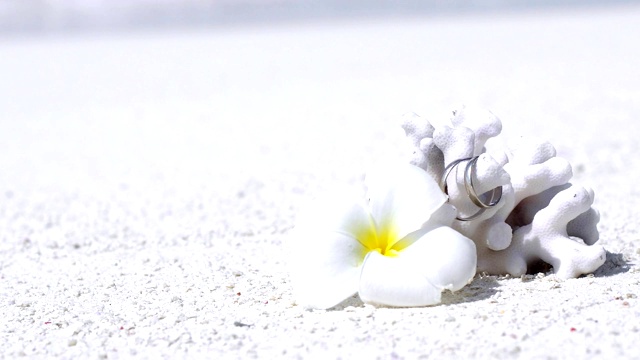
x=148, y=183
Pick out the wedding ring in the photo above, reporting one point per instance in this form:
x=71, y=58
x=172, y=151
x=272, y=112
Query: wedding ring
x=469, y=173
x=496, y=194
x=447, y=171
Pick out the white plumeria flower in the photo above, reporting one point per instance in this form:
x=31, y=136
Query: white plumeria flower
x=396, y=250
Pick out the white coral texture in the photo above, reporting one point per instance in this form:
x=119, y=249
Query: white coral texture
x=541, y=215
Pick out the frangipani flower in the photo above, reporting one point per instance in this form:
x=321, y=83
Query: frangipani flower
x=398, y=249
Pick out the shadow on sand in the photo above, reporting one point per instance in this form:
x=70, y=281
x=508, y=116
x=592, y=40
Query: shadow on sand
x=484, y=286
x=613, y=265
x=481, y=288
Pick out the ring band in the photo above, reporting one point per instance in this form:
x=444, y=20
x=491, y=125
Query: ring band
x=496, y=194
x=447, y=171
x=469, y=172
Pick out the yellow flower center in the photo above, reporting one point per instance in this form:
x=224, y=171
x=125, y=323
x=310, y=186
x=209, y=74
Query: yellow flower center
x=383, y=240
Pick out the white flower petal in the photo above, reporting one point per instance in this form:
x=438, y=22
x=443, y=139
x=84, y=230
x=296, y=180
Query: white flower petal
x=326, y=257
x=391, y=281
x=444, y=216
x=443, y=256
x=403, y=196
x=339, y=212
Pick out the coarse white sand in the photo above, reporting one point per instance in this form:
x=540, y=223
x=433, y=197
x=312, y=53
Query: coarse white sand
x=149, y=181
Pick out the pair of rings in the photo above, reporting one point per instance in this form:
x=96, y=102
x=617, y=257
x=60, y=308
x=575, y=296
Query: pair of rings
x=469, y=173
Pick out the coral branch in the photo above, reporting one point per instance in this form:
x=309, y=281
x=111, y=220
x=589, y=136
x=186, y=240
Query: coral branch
x=547, y=237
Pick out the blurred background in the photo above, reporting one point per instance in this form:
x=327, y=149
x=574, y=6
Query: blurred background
x=70, y=15
x=192, y=95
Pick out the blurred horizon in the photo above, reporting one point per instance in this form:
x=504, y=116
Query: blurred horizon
x=51, y=16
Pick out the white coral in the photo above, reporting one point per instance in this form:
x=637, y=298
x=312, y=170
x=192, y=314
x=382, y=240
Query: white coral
x=541, y=216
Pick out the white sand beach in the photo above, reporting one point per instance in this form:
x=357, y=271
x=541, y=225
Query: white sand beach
x=149, y=182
